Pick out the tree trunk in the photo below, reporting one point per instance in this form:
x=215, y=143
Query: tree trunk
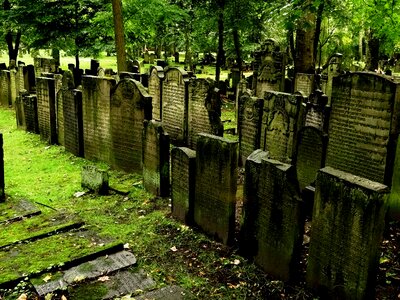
x=372, y=61
x=188, y=51
x=318, y=29
x=220, y=54
x=13, y=47
x=119, y=35
x=238, y=47
x=305, y=34
x=77, y=66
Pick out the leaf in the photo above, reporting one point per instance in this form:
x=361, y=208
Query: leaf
x=79, y=194
x=103, y=278
x=173, y=249
x=23, y=297
x=79, y=278
x=63, y=297
x=47, y=278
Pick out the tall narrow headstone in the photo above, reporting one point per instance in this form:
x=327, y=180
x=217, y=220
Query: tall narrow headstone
x=31, y=113
x=5, y=98
x=175, y=104
x=216, y=183
x=46, y=106
x=364, y=126
x=155, y=90
x=130, y=106
x=2, y=193
x=183, y=171
x=155, y=159
x=304, y=83
x=204, y=110
x=347, y=228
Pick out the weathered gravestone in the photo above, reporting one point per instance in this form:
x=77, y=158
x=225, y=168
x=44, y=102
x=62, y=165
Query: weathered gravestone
x=152, y=58
x=20, y=77
x=363, y=126
x=155, y=159
x=216, y=183
x=5, y=97
x=333, y=70
x=71, y=99
x=94, y=179
x=146, y=57
x=130, y=106
x=44, y=65
x=204, y=110
x=13, y=86
x=348, y=223
x=312, y=139
x=281, y=115
x=96, y=117
x=29, y=78
x=155, y=90
x=249, y=125
x=175, y=104
x=19, y=110
x=2, y=193
x=273, y=208
x=270, y=68
x=183, y=171
x=46, y=107
x=31, y=113
x=304, y=83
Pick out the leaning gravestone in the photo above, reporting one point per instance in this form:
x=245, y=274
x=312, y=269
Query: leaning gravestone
x=183, y=171
x=2, y=193
x=96, y=117
x=46, y=106
x=348, y=223
x=204, y=110
x=155, y=90
x=5, y=99
x=363, y=126
x=175, y=104
x=216, y=182
x=273, y=201
x=95, y=180
x=270, y=68
x=249, y=125
x=130, y=106
x=279, y=126
x=155, y=159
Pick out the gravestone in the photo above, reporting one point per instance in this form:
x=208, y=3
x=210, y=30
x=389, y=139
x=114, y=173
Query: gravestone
x=31, y=113
x=216, y=183
x=95, y=180
x=279, y=126
x=20, y=77
x=269, y=68
x=363, y=127
x=155, y=159
x=46, y=107
x=155, y=90
x=240, y=89
x=44, y=65
x=272, y=206
x=13, y=86
x=29, y=79
x=19, y=110
x=249, y=125
x=183, y=171
x=96, y=117
x=2, y=192
x=304, y=83
x=146, y=57
x=348, y=223
x=204, y=110
x=334, y=65
x=152, y=58
x=5, y=96
x=130, y=106
x=175, y=104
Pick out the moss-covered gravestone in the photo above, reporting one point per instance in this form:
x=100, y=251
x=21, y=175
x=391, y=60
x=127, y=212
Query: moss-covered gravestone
x=31, y=113
x=155, y=90
x=273, y=210
x=2, y=193
x=183, y=171
x=216, y=182
x=95, y=180
x=348, y=222
x=46, y=107
x=155, y=159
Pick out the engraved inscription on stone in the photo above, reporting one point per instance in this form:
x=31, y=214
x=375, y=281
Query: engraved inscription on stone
x=45, y=92
x=155, y=88
x=304, y=83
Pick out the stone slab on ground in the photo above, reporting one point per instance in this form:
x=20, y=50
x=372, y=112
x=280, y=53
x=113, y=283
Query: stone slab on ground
x=166, y=293
x=16, y=210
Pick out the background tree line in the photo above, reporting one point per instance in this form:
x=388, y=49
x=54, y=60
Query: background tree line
x=365, y=31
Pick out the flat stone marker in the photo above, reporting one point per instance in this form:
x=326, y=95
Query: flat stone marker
x=100, y=266
x=94, y=179
x=346, y=234
x=50, y=287
x=166, y=293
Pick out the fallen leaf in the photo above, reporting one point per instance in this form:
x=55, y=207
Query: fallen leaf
x=126, y=246
x=103, y=278
x=23, y=297
x=79, y=278
x=236, y=262
x=47, y=278
x=173, y=249
x=79, y=194
x=63, y=297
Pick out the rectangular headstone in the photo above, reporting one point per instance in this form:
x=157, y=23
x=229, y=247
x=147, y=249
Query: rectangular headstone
x=216, y=183
x=249, y=125
x=94, y=179
x=272, y=206
x=363, y=128
x=347, y=228
x=204, y=110
x=2, y=193
x=46, y=105
x=175, y=104
x=183, y=171
x=73, y=122
x=279, y=126
x=19, y=112
x=155, y=90
x=5, y=98
x=44, y=65
x=130, y=106
x=31, y=113
x=304, y=83
x=155, y=159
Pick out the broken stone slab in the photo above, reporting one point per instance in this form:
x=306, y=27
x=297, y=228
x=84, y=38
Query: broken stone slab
x=50, y=287
x=95, y=180
x=100, y=266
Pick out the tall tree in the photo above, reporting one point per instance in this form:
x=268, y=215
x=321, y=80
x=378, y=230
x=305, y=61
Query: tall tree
x=119, y=35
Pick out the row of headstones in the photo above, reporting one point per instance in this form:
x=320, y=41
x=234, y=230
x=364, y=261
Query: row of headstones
x=348, y=218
